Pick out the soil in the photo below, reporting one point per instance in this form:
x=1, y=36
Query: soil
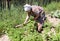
x=4, y=38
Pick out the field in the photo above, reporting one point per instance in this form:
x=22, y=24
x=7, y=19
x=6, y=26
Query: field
x=10, y=18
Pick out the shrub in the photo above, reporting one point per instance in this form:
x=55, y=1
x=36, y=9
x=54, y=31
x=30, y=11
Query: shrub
x=53, y=6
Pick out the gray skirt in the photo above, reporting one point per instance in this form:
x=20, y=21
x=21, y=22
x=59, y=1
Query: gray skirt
x=41, y=18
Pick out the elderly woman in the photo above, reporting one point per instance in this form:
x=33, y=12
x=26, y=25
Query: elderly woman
x=37, y=12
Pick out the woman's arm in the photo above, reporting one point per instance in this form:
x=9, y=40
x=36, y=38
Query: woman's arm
x=27, y=18
x=26, y=21
x=37, y=15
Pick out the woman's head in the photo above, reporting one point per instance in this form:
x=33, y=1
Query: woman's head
x=27, y=7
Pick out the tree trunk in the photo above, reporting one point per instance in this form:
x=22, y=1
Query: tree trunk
x=0, y=4
x=3, y=4
x=9, y=4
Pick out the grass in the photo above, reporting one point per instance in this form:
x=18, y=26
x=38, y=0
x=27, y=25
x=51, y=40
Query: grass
x=52, y=7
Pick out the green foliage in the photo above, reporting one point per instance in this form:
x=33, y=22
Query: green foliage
x=57, y=28
x=56, y=14
x=53, y=6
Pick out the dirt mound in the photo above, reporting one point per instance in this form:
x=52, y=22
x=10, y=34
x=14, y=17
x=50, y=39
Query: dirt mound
x=54, y=21
x=4, y=38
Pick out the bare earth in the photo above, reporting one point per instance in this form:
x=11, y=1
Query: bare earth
x=54, y=21
x=4, y=38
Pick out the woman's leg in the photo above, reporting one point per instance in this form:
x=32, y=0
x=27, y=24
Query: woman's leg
x=39, y=27
x=40, y=22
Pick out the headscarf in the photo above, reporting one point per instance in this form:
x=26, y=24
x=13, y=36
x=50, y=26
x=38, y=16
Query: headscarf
x=27, y=7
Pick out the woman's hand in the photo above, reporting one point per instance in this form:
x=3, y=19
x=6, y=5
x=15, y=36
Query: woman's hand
x=34, y=19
